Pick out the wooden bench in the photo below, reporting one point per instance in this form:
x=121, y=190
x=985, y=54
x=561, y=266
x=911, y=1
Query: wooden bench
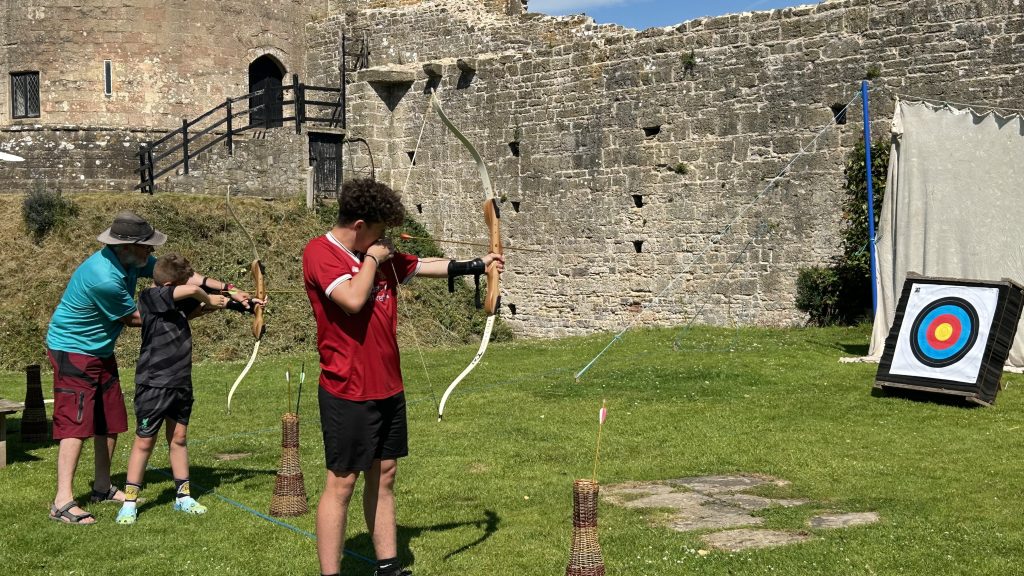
x=6, y=407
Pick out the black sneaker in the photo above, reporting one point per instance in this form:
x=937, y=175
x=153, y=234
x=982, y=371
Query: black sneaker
x=399, y=573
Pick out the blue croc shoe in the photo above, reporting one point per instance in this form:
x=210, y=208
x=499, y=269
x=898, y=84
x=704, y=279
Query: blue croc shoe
x=127, y=515
x=189, y=506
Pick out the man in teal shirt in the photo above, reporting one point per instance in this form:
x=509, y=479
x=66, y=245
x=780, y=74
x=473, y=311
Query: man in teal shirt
x=87, y=399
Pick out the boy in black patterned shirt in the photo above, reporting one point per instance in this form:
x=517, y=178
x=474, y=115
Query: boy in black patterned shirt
x=163, y=377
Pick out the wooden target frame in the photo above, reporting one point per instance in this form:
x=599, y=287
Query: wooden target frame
x=951, y=336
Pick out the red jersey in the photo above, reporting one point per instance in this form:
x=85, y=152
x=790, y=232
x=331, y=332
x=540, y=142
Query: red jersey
x=358, y=352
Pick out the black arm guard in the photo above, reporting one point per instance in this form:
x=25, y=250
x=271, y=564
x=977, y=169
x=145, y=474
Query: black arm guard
x=239, y=307
x=475, y=267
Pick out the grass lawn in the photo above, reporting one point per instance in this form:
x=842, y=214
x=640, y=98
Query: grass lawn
x=489, y=490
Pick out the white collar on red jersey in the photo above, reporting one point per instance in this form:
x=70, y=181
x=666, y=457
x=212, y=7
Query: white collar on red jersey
x=333, y=240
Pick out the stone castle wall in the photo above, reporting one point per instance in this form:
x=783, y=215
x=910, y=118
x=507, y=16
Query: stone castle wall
x=668, y=174
x=664, y=141
x=169, y=59
x=72, y=158
x=268, y=164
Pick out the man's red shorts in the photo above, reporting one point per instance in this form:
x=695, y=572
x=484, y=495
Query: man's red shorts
x=77, y=379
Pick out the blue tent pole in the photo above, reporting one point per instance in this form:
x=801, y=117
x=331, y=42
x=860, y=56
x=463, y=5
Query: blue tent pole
x=869, y=175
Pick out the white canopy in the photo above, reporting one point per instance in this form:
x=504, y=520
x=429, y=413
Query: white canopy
x=954, y=204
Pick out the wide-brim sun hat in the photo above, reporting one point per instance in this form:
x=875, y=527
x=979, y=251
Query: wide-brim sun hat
x=130, y=228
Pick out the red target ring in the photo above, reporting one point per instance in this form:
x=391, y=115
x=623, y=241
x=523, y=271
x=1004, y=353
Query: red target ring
x=943, y=331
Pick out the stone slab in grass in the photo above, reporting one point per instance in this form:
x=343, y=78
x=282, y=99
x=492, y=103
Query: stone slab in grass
x=747, y=539
x=725, y=484
x=751, y=502
x=711, y=518
x=678, y=500
x=843, y=520
x=718, y=503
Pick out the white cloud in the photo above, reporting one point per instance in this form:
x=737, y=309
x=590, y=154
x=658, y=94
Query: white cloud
x=568, y=6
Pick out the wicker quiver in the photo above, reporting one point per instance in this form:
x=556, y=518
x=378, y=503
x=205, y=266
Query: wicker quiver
x=289, y=487
x=34, y=427
x=585, y=558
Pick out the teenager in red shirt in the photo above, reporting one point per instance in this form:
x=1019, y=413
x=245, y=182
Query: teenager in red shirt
x=351, y=275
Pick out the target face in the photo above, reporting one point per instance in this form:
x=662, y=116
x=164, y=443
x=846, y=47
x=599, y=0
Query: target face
x=944, y=331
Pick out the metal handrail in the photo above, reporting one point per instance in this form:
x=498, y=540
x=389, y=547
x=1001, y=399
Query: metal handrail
x=149, y=156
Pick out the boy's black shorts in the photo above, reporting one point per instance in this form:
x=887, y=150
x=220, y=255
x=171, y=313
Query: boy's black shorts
x=357, y=433
x=153, y=404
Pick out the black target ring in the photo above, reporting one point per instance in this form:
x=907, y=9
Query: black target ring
x=951, y=315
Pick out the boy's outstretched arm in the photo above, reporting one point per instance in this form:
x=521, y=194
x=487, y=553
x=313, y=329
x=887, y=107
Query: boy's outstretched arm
x=440, y=268
x=208, y=283
x=211, y=302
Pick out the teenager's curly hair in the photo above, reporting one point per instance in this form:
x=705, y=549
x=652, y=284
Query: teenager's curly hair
x=172, y=268
x=371, y=201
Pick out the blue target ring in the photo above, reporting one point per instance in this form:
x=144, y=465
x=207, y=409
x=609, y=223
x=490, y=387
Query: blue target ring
x=944, y=332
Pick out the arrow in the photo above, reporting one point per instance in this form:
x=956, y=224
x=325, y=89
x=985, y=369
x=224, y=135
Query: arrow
x=405, y=236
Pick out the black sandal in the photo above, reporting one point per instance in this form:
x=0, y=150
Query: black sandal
x=64, y=514
x=101, y=497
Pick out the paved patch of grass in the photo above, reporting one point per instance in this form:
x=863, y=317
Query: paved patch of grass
x=488, y=491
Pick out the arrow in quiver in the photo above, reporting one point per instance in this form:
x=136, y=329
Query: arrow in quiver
x=585, y=558
x=34, y=427
x=289, y=487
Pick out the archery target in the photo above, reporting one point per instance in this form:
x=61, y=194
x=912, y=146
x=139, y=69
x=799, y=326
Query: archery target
x=944, y=332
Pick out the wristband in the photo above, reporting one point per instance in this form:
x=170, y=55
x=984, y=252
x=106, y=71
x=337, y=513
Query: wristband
x=374, y=259
x=205, y=286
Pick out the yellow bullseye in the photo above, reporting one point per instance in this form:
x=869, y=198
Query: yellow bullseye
x=943, y=332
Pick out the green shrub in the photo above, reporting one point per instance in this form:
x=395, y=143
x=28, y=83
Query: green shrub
x=832, y=295
x=817, y=293
x=46, y=210
x=681, y=168
x=841, y=292
x=856, y=252
x=689, y=62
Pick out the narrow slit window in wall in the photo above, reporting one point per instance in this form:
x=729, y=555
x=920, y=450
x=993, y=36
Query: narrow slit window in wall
x=412, y=156
x=651, y=131
x=514, y=148
x=419, y=208
x=515, y=206
x=512, y=309
x=638, y=245
x=108, y=78
x=465, y=79
x=839, y=113
x=432, y=84
x=24, y=94
x=638, y=200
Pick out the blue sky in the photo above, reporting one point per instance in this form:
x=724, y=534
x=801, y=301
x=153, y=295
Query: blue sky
x=642, y=14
